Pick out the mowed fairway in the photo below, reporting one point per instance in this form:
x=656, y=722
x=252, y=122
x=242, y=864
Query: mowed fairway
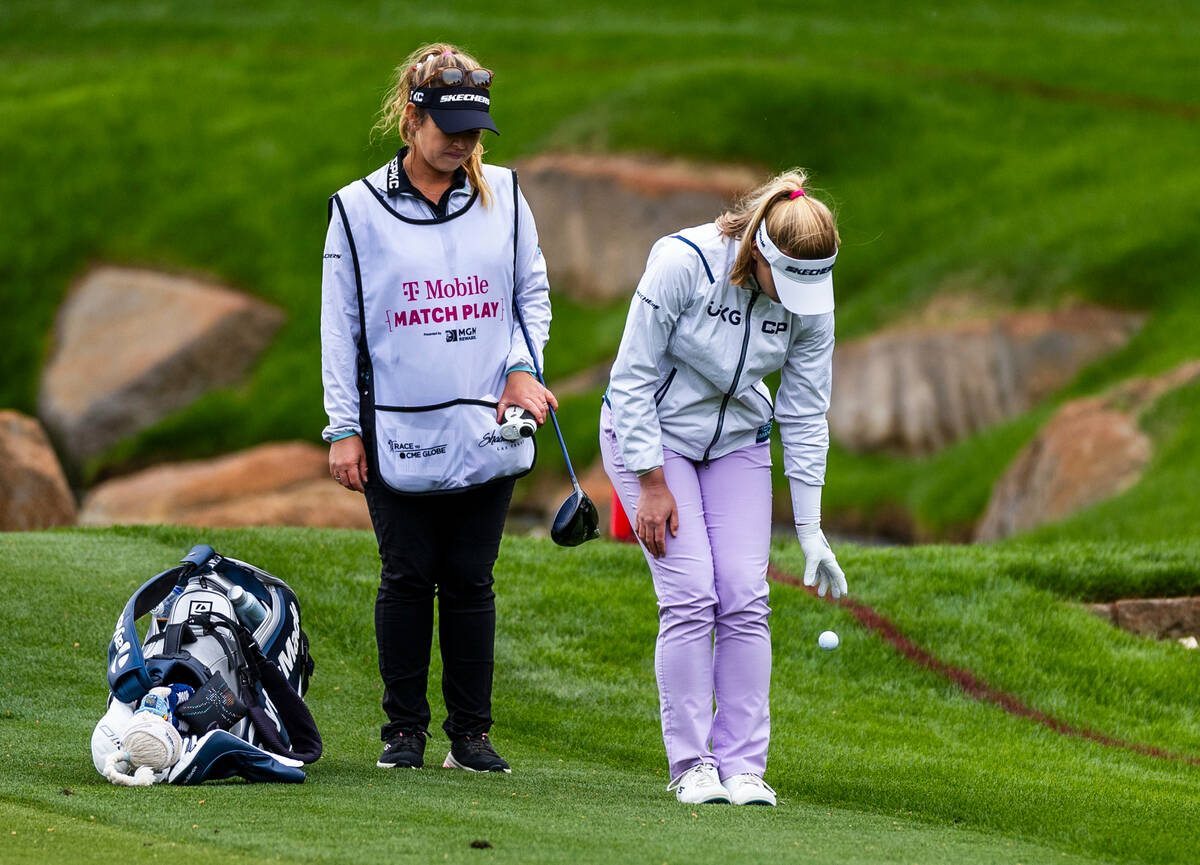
x=874, y=758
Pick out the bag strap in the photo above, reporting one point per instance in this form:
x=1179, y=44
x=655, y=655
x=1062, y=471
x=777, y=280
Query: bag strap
x=516, y=306
x=128, y=678
x=173, y=641
x=516, y=237
x=254, y=669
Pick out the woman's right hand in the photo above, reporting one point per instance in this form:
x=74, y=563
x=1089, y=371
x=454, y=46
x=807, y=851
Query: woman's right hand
x=656, y=513
x=348, y=462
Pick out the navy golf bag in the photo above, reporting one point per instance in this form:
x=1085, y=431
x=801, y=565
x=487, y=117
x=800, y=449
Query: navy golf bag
x=246, y=714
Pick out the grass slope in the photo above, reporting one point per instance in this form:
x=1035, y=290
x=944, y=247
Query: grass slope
x=875, y=760
x=1026, y=152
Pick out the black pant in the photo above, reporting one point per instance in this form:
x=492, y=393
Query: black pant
x=445, y=545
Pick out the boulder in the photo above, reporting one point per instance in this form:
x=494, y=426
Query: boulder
x=1086, y=453
x=273, y=484
x=597, y=216
x=132, y=346
x=1160, y=618
x=316, y=503
x=33, y=489
x=916, y=389
x=1089, y=450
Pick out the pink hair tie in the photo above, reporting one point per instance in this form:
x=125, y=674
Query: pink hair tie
x=796, y=194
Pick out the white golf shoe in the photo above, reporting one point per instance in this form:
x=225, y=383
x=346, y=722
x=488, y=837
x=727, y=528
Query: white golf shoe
x=700, y=785
x=748, y=790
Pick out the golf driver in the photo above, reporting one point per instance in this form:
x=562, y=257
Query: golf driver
x=577, y=519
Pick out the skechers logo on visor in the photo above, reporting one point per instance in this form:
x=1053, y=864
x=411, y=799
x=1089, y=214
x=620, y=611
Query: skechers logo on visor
x=452, y=97
x=794, y=268
x=808, y=271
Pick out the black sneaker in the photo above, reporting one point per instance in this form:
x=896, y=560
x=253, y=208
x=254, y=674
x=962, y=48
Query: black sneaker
x=406, y=750
x=475, y=754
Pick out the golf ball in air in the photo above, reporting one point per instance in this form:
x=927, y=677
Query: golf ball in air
x=828, y=641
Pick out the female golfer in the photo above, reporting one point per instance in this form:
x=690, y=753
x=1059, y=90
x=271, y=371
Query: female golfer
x=684, y=434
x=420, y=356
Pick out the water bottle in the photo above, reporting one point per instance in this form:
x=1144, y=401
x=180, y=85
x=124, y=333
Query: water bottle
x=249, y=609
x=162, y=612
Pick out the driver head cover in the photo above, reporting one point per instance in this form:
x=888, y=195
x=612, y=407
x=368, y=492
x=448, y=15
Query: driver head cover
x=151, y=740
x=804, y=285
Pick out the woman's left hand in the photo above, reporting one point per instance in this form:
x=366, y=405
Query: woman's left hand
x=821, y=568
x=526, y=391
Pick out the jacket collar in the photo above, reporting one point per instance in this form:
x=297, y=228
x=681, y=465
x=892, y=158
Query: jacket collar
x=397, y=182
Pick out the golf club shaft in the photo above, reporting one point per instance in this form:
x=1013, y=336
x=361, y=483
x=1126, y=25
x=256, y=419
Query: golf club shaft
x=537, y=370
x=562, y=444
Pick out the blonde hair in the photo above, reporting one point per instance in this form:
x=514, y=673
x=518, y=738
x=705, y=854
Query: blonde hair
x=800, y=225
x=417, y=67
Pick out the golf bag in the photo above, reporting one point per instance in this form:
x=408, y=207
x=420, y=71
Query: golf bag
x=246, y=714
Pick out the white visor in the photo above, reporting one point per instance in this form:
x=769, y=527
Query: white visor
x=804, y=285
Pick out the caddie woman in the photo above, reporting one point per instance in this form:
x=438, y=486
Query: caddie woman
x=684, y=433
x=421, y=355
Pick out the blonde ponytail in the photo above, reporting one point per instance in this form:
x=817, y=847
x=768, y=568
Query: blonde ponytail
x=800, y=225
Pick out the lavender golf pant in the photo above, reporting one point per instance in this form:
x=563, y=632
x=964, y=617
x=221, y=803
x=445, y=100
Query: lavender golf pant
x=713, y=638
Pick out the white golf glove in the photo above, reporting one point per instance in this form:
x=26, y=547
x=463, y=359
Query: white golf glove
x=821, y=567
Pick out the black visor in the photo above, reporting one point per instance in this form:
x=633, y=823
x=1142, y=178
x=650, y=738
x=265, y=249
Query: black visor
x=456, y=109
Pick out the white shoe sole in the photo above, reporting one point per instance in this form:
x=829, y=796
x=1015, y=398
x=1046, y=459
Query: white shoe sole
x=714, y=799
x=451, y=763
x=748, y=794
x=383, y=765
x=766, y=802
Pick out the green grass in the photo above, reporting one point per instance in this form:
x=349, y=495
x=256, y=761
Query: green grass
x=875, y=760
x=1027, y=152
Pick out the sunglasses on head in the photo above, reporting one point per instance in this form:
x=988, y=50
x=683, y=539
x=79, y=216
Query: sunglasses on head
x=452, y=76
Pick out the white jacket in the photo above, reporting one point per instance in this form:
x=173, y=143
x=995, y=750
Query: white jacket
x=688, y=374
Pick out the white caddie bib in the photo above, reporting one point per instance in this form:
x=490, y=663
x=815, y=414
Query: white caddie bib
x=436, y=300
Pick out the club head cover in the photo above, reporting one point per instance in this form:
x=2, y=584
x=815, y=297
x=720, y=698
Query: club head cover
x=213, y=707
x=151, y=740
x=219, y=754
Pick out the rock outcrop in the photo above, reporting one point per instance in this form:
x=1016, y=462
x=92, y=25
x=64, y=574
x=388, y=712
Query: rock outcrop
x=1090, y=450
x=1161, y=618
x=274, y=484
x=1086, y=453
x=914, y=390
x=33, y=489
x=131, y=346
x=599, y=215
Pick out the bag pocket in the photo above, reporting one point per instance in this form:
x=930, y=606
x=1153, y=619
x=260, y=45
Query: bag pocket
x=446, y=447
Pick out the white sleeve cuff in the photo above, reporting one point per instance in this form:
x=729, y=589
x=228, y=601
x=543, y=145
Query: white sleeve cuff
x=806, y=503
x=334, y=433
